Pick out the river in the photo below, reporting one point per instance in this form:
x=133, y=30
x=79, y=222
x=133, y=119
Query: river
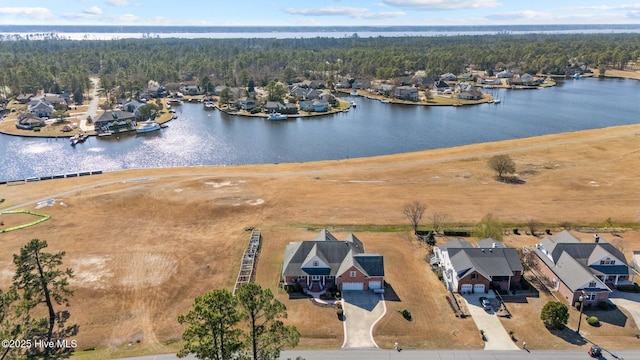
x=200, y=137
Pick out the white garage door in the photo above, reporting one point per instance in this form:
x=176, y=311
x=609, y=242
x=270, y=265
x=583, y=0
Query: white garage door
x=375, y=284
x=478, y=288
x=352, y=286
x=466, y=288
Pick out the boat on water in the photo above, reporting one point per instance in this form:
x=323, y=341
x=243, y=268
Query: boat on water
x=496, y=101
x=277, y=116
x=148, y=126
x=354, y=93
x=80, y=138
x=208, y=105
x=354, y=104
x=384, y=101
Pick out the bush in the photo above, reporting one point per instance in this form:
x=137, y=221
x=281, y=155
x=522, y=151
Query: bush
x=555, y=315
x=593, y=321
x=577, y=304
x=629, y=288
x=406, y=314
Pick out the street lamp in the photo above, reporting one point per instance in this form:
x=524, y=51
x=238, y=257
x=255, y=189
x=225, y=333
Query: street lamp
x=581, y=299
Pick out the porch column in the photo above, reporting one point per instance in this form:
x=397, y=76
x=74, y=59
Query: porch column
x=616, y=281
x=307, y=281
x=323, y=277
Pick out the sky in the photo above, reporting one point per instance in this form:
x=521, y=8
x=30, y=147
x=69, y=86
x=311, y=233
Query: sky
x=317, y=13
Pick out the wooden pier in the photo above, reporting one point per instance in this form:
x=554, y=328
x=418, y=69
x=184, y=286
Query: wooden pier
x=249, y=260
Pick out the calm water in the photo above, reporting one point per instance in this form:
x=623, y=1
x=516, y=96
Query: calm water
x=200, y=137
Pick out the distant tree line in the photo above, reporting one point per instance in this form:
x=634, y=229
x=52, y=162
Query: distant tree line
x=127, y=65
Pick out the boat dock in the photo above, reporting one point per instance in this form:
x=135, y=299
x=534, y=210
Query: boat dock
x=249, y=260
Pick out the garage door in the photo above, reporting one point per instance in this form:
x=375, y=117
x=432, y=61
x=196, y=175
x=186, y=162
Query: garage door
x=478, y=288
x=352, y=286
x=466, y=288
x=375, y=284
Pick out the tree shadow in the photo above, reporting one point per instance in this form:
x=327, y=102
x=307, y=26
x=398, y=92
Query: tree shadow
x=569, y=336
x=511, y=180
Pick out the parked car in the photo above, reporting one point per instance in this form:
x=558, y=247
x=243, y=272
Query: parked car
x=486, y=303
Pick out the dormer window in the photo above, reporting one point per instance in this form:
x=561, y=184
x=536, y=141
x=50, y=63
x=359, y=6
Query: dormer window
x=607, y=261
x=315, y=263
x=592, y=284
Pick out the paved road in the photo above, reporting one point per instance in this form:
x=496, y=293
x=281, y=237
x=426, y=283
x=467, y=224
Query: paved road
x=496, y=336
x=93, y=107
x=362, y=309
x=377, y=354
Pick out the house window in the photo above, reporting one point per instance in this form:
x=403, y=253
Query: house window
x=315, y=277
x=330, y=277
x=474, y=276
x=301, y=277
x=315, y=263
x=591, y=296
x=592, y=284
x=352, y=274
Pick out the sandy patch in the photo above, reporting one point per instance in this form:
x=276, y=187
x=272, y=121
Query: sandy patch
x=143, y=270
x=255, y=202
x=91, y=271
x=223, y=183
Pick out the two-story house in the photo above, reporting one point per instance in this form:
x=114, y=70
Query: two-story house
x=325, y=261
x=579, y=269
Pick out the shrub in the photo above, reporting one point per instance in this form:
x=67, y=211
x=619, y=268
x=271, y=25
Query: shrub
x=593, y=321
x=555, y=315
x=406, y=314
x=603, y=305
x=577, y=304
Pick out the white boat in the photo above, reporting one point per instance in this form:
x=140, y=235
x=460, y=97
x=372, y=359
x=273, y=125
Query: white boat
x=384, y=101
x=208, y=105
x=496, y=101
x=148, y=126
x=353, y=104
x=576, y=76
x=277, y=116
x=354, y=93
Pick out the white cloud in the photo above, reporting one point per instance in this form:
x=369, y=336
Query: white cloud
x=94, y=10
x=39, y=13
x=353, y=12
x=118, y=2
x=521, y=15
x=441, y=4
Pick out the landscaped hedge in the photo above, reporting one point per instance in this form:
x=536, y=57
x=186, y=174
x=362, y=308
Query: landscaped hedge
x=593, y=321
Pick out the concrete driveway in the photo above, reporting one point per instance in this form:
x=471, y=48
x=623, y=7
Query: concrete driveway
x=362, y=310
x=496, y=336
x=629, y=301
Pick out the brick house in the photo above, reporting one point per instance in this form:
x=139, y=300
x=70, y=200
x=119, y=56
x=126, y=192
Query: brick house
x=575, y=269
x=325, y=262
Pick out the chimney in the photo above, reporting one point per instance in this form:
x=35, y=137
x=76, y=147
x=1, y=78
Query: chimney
x=597, y=238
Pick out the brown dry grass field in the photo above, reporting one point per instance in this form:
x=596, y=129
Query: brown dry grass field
x=145, y=243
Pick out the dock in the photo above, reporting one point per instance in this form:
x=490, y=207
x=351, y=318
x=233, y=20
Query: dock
x=249, y=260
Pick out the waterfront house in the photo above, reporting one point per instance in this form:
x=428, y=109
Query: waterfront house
x=191, y=90
x=314, y=106
x=471, y=94
x=301, y=93
x=505, y=74
x=246, y=104
x=274, y=106
x=113, y=118
x=406, y=93
x=133, y=106
x=440, y=86
x=575, y=269
x=361, y=84
x=343, y=83
x=325, y=262
x=29, y=122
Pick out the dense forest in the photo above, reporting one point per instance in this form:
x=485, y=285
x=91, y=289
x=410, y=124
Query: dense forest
x=127, y=65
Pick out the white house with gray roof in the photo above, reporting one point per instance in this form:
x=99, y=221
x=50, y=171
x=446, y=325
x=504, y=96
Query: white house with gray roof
x=467, y=269
x=577, y=269
x=323, y=262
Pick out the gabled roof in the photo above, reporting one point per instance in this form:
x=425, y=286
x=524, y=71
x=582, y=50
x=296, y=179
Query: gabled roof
x=573, y=274
x=487, y=262
x=338, y=255
x=111, y=115
x=325, y=235
x=490, y=243
x=455, y=243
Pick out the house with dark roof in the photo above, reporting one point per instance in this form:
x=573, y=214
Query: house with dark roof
x=467, y=269
x=325, y=262
x=41, y=108
x=29, y=122
x=575, y=269
x=113, y=119
x=409, y=93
